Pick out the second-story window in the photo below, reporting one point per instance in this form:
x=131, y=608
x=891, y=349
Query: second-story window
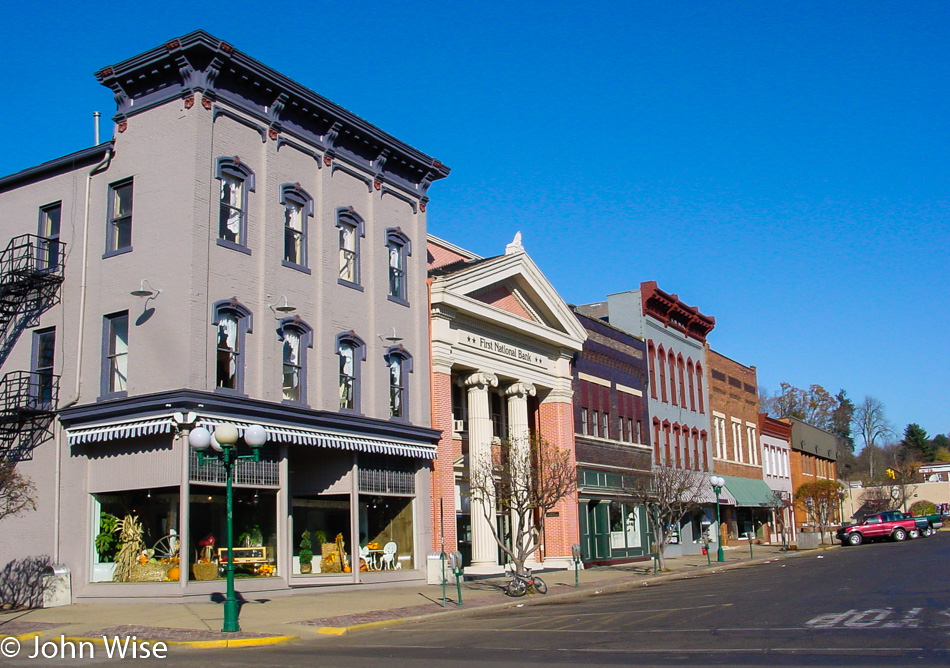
x=236, y=181
x=397, y=248
x=298, y=207
x=115, y=346
x=351, y=351
x=44, y=355
x=399, y=363
x=232, y=321
x=296, y=336
x=119, y=233
x=50, y=221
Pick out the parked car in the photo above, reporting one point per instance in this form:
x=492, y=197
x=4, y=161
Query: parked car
x=926, y=524
x=890, y=524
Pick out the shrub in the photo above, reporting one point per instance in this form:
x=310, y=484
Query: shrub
x=923, y=508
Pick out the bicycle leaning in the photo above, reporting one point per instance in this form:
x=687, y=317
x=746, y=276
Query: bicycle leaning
x=519, y=584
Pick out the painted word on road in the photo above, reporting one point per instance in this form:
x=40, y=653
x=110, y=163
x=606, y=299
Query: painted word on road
x=881, y=618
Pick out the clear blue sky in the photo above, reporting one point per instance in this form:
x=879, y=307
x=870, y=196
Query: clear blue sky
x=784, y=166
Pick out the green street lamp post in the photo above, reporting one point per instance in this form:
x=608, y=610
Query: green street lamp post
x=224, y=449
x=717, y=485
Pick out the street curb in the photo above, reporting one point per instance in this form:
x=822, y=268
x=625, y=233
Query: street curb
x=578, y=593
x=29, y=635
x=200, y=644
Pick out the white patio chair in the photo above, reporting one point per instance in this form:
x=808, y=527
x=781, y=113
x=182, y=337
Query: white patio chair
x=388, y=560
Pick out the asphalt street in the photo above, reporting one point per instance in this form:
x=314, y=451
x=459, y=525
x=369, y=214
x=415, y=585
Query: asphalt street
x=875, y=604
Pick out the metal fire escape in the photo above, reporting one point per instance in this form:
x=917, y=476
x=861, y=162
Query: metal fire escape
x=31, y=271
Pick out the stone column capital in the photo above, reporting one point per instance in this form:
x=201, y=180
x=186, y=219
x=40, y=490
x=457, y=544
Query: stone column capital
x=478, y=379
x=523, y=390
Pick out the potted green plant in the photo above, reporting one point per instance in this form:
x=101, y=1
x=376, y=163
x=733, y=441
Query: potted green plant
x=306, y=552
x=107, y=544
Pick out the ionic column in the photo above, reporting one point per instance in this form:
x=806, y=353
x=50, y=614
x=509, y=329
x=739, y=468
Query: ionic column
x=519, y=437
x=484, y=549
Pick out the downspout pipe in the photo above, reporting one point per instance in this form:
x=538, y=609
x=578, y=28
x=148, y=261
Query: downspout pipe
x=57, y=500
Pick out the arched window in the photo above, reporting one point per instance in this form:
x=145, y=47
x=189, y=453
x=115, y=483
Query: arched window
x=692, y=384
x=699, y=387
x=656, y=441
x=351, y=351
x=237, y=180
x=298, y=207
x=703, y=440
x=672, y=363
x=232, y=321
x=661, y=362
x=651, y=356
x=398, y=249
x=681, y=369
x=399, y=363
x=295, y=336
x=351, y=231
x=678, y=448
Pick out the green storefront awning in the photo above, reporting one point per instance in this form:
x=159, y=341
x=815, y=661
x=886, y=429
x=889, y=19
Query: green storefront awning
x=748, y=491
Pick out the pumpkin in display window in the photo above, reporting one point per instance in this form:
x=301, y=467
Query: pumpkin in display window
x=174, y=573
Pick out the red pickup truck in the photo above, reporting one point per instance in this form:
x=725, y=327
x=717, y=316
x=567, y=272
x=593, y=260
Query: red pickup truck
x=889, y=524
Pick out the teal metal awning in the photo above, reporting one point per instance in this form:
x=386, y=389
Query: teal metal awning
x=748, y=491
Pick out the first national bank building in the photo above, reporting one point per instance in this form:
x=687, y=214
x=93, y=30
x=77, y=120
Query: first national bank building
x=243, y=251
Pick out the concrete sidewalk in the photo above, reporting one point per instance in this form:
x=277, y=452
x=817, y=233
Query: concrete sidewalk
x=307, y=614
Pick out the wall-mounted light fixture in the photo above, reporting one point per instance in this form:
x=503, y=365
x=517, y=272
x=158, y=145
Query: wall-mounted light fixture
x=286, y=307
x=146, y=292
x=391, y=337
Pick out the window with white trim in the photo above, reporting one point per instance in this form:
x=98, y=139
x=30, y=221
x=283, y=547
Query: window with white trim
x=115, y=366
x=350, y=226
x=50, y=250
x=232, y=321
x=295, y=336
x=298, y=207
x=399, y=365
x=351, y=351
x=236, y=181
x=119, y=232
x=398, y=249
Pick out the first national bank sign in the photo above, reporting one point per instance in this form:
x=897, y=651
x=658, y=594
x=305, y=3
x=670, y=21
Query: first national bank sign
x=501, y=348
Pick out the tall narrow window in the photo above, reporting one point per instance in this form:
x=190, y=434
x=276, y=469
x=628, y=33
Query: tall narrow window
x=651, y=356
x=119, y=234
x=49, y=250
x=595, y=424
x=236, y=180
x=397, y=247
x=583, y=421
x=232, y=321
x=399, y=363
x=699, y=388
x=351, y=230
x=42, y=382
x=351, y=351
x=115, y=346
x=605, y=425
x=298, y=207
x=296, y=336
x=692, y=386
x=662, y=364
x=672, y=363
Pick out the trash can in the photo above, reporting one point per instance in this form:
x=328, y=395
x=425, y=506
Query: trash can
x=434, y=569
x=57, y=588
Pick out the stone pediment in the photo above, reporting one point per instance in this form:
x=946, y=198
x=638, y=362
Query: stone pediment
x=511, y=292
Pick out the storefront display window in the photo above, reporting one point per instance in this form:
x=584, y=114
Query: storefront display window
x=326, y=520
x=138, y=528
x=255, y=532
x=386, y=532
x=625, y=526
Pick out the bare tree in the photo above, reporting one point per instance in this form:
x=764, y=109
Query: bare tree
x=524, y=481
x=668, y=495
x=17, y=492
x=872, y=426
x=779, y=503
x=820, y=499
